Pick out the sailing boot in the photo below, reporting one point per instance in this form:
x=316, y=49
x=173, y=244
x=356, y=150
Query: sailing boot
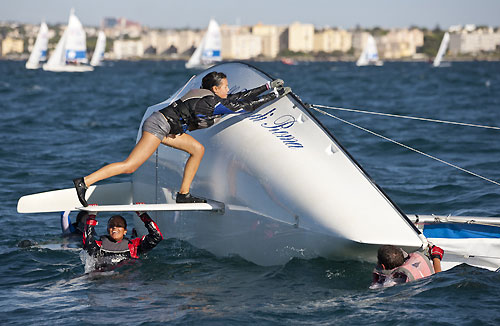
x=81, y=188
x=188, y=198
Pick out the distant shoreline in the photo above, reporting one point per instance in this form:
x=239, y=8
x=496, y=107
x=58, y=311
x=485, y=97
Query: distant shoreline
x=24, y=57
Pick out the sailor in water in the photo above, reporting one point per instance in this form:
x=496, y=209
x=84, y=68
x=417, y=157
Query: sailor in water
x=113, y=248
x=73, y=229
x=199, y=108
x=395, y=266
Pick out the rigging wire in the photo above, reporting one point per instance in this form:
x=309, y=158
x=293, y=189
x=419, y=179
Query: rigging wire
x=406, y=117
x=405, y=146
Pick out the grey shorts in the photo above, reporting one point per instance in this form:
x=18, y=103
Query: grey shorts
x=157, y=125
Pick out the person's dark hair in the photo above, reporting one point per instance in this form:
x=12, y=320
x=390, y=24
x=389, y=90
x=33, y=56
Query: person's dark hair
x=390, y=256
x=212, y=79
x=117, y=220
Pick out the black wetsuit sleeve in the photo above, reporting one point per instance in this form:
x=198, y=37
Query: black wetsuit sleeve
x=247, y=105
x=89, y=242
x=248, y=94
x=247, y=100
x=150, y=240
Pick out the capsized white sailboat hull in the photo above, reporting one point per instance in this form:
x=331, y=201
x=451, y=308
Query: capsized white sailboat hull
x=285, y=181
x=289, y=190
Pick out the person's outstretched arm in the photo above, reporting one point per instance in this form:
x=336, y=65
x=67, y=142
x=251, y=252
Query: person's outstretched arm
x=228, y=106
x=150, y=240
x=436, y=254
x=254, y=92
x=90, y=244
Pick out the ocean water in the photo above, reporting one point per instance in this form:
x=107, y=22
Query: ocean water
x=56, y=126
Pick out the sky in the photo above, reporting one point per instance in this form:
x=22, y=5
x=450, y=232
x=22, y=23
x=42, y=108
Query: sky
x=321, y=13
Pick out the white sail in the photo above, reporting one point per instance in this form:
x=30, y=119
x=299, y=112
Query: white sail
x=39, y=52
x=442, y=50
x=99, y=49
x=208, y=52
x=369, y=56
x=71, y=50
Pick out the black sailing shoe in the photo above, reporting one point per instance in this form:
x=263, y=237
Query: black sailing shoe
x=188, y=198
x=81, y=188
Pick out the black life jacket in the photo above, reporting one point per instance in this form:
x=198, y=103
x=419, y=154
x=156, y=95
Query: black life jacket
x=123, y=247
x=181, y=114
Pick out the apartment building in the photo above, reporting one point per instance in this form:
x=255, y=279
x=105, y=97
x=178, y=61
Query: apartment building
x=400, y=43
x=301, y=37
x=238, y=43
x=467, y=41
x=330, y=40
x=12, y=45
x=123, y=49
x=270, y=39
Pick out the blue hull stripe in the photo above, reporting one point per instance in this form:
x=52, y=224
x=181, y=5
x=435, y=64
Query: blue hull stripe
x=461, y=231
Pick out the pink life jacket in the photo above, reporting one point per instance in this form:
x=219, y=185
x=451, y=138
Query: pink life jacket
x=417, y=266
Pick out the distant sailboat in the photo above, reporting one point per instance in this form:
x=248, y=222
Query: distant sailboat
x=369, y=56
x=442, y=50
x=208, y=52
x=99, y=49
x=71, y=51
x=39, y=52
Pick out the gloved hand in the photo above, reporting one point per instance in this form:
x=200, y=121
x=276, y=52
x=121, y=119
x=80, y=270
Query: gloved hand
x=277, y=83
x=91, y=216
x=139, y=213
x=436, y=252
x=282, y=91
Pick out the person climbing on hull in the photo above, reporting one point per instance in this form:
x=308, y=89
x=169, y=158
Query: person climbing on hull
x=199, y=108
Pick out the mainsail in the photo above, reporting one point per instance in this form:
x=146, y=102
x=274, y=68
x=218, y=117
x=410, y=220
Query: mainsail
x=39, y=52
x=99, y=49
x=71, y=50
x=442, y=50
x=369, y=56
x=208, y=52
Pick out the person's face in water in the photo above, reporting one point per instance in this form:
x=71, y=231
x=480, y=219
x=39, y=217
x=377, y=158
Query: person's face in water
x=116, y=230
x=221, y=90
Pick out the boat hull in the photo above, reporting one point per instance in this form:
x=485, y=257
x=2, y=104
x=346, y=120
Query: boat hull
x=276, y=166
x=68, y=68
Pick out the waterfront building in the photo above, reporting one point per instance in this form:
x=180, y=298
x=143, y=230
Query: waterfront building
x=400, y=43
x=301, y=37
x=238, y=43
x=270, y=39
x=12, y=45
x=330, y=40
x=126, y=49
x=468, y=41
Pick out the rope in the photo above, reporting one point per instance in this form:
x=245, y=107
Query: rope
x=406, y=146
x=406, y=117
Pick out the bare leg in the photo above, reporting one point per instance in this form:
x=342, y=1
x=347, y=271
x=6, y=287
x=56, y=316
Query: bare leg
x=196, y=150
x=146, y=146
